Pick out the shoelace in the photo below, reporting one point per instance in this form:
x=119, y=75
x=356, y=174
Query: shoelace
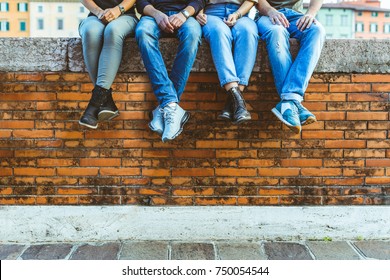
x=169, y=116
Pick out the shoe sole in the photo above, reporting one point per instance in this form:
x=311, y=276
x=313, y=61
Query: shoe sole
x=296, y=129
x=242, y=120
x=88, y=125
x=309, y=120
x=224, y=117
x=106, y=115
x=160, y=132
x=186, y=117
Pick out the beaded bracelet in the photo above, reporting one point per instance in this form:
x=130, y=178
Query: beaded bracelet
x=238, y=14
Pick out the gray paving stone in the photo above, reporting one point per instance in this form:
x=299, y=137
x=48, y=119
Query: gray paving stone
x=10, y=251
x=240, y=251
x=192, y=251
x=374, y=249
x=335, y=250
x=286, y=251
x=107, y=251
x=47, y=252
x=145, y=250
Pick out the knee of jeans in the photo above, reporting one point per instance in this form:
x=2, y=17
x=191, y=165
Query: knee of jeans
x=192, y=37
x=92, y=33
x=277, y=32
x=143, y=34
x=114, y=32
x=246, y=31
x=318, y=30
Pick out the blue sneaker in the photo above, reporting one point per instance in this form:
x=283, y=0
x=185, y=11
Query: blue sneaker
x=174, y=119
x=287, y=112
x=305, y=116
x=157, y=122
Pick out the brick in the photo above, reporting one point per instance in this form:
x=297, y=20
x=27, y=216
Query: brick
x=155, y=154
x=384, y=97
x=323, y=172
x=153, y=172
x=136, y=144
x=344, y=162
x=363, y=172
x=17, y=200
x=215, y=201
x=16, y=124
x=240, y=172
x=378, y=181
x=216, y=144
x=193, y=191
x=30, y=77
x=330, y=116
x=368, y=134
x=277, y=191
x=380, y=87
x=55, y=162
x=301, y=162
x=265, y=200
x=120, y=171
x=325, y=97
x=345, y=144
x=33, y=96
x=6, y=154
x=5, y=171
x=33, y=133
x=5, y=190
x=343, y=200
x=377, y=162
x=278, y=172
x=370, y=78
x=77, y=171
x=322, y=134
x=358, y=153
x=343, y=181
x=193, y=172
x=28, y=171
x=349, y=87
x=120, y=134
x=5, y=133
x=100, y=162
x=256, y=162
x=367, y=116
x=69, y=134
x=193, y=153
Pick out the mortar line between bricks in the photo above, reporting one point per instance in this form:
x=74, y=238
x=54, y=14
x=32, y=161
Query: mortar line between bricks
x=361, y=255
x=310, y=251
x=26, y=246
x=74, y=248
x=118, y=255
x=169, y=250
x=216, y=251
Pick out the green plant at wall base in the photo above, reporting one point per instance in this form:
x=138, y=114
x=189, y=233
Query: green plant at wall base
x=327, y=238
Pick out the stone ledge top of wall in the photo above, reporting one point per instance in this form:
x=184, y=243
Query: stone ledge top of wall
x=65, y=54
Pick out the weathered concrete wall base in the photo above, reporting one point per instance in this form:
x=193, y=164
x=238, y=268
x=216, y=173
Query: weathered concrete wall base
x=74, y=223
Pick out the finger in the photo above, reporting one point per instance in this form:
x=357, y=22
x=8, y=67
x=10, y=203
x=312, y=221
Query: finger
x=304, y=23
x=309, y=23
x=284, y=21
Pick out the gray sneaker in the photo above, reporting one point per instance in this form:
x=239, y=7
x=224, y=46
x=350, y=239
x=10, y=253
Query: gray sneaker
x=157, y=122
x=174, y=119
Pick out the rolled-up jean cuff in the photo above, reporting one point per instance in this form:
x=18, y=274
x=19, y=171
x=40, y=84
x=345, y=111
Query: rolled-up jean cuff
x=291, y=96
x=166, y=102
x=224, y=82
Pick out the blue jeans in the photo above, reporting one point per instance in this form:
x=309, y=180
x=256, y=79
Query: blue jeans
x=168, y=88
x=233, y=49
x=291, y=77
x=103, y=46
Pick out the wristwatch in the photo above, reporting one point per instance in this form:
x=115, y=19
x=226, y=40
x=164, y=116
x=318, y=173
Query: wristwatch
x=185, y=13
x=122, y=9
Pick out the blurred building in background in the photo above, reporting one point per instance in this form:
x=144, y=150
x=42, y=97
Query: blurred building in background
x=361, y=19
x=56, y=18
x=14, y=18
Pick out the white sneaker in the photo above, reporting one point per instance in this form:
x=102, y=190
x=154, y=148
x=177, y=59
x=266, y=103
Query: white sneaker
x=174, y=119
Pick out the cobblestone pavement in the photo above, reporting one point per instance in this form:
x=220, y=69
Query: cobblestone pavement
x=175, y=250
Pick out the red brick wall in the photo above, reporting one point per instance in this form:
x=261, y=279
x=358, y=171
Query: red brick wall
x=47, y=158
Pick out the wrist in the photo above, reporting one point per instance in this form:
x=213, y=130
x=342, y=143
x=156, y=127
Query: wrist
x=238, y=14
x=121, y=9
x=185, y=13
